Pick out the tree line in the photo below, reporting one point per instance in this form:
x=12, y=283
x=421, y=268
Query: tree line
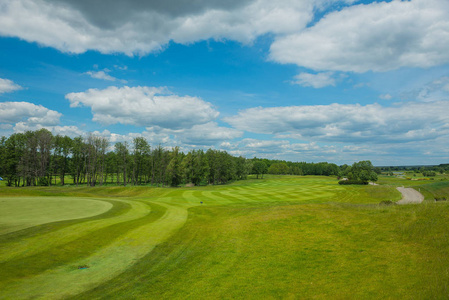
x=441, y=169
x=39, y=158
x=282, y=167
x=360, y=172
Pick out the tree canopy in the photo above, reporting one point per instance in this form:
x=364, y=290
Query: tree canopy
x=40, y=158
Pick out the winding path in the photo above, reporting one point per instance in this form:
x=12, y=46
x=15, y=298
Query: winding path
x=409, y=196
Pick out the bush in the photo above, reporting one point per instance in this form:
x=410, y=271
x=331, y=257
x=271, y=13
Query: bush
x=346, y=182
x=429, y=174
x=387, y=202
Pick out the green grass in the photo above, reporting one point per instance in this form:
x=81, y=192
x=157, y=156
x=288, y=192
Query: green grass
x=16, y=214
x=277, y=237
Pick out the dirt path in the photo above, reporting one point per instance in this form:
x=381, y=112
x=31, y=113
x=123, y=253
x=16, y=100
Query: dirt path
x=409, y=195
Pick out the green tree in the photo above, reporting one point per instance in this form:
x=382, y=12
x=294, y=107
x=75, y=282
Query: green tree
x=141, y=151
x=122, y=151
x=174, y=172
x=243, y=167
x=363, y=171
x=279, y=168
x=259, y=168
x=78, y=160
x=195, y=166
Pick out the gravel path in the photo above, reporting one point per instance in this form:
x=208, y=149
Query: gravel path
x=409, y=195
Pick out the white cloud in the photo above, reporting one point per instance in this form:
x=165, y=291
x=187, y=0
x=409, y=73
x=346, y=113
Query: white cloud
x=7, y=86
x=101, y=75
x=385, y=97
x=144, y=106
x=285, y=150
x=208, y=134
x=139, y=27
x=25, y=116
x=199, y=136
x=13, y=112
x=253, y=147
x=104, y=75
x=348, y=123
x=317, y=81
x=71, y=131
x=340, y=153
x=380, y=36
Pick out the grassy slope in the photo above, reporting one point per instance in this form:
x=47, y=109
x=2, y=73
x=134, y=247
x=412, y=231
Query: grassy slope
x=279, y=237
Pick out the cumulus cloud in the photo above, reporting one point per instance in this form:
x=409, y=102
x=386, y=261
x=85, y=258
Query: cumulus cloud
x=286, y=150
x=208, y=134
x=25, y=116
x=254, y=147
x=317, y=81
x=340, y=153
x=380, y=36
x=13, y=112
x=71, y=131
x=139, y=27
x=144, y=106
x=348, y=123
x=7, y=86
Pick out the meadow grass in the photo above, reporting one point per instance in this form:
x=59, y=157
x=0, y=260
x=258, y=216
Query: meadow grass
x=277, y=237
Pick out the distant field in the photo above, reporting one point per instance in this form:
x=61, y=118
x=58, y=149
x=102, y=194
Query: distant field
x=280, y=237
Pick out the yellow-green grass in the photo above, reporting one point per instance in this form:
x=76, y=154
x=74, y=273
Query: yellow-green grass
x=277, y=237
x=16, y=214
x=297, y=251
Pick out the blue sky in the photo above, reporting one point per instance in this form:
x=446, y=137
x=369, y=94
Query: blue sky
x=312, y=80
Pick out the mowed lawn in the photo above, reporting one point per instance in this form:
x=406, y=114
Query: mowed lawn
x=281, y=237
x=24, y=212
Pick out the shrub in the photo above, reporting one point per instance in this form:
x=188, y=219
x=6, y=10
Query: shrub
x=360, y=182
x=429, y=174
x=387, y=202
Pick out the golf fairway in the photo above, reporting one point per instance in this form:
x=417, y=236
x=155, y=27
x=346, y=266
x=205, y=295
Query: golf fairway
x=280, y=237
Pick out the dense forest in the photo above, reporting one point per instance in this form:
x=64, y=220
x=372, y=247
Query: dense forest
x=40, y=158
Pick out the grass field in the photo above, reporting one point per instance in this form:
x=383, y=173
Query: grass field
x=280, y=237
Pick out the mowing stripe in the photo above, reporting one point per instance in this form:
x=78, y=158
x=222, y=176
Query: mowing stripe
x=39, y=243
x=20, y=213
x=117, y=209
x=74, y=250
x=104, y=264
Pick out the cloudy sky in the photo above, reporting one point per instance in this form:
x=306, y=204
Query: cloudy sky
x=309, y=80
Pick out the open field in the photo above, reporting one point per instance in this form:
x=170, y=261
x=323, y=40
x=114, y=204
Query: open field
x=280, y=237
